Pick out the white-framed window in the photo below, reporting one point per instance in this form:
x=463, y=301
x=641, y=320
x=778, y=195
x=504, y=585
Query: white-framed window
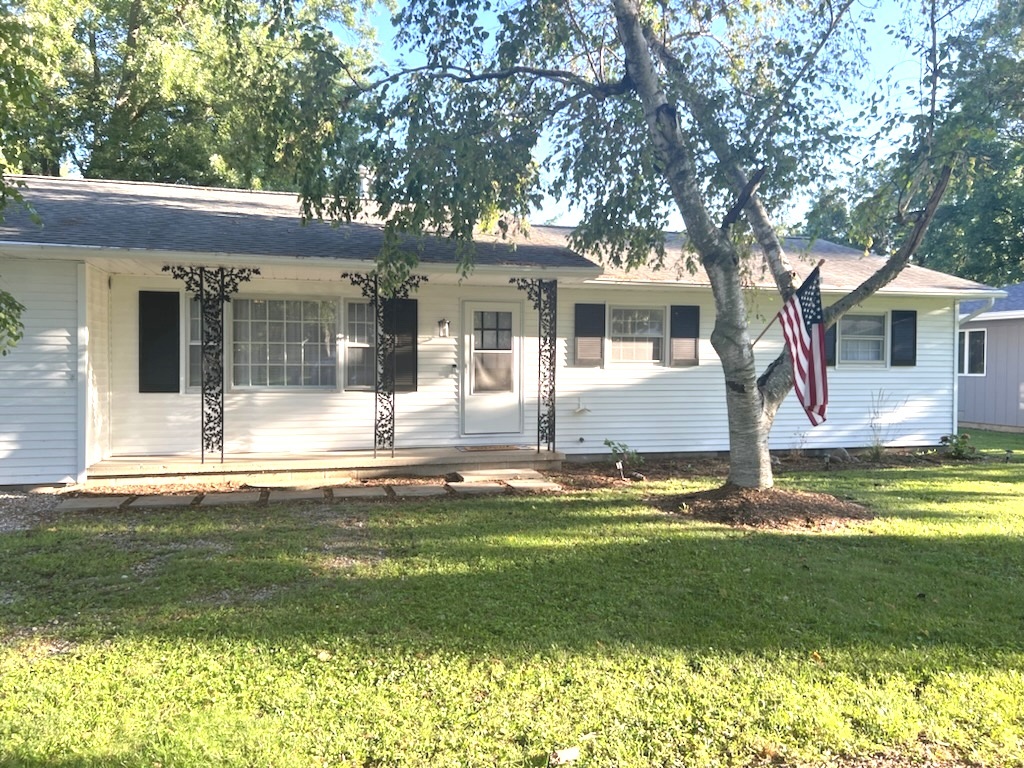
x=284, y=343
x=862, y=339
x=970, y=358
x=637, y=334
x=194, y=361
x=360, y=345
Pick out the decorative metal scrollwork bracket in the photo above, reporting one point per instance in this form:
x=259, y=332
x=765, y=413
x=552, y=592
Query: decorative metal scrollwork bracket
x=384, y=368
x=544, y=295
x=213, y=287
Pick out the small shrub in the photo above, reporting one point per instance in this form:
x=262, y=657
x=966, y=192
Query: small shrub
x=958, y=446
x=625, y=454
x=876, y=451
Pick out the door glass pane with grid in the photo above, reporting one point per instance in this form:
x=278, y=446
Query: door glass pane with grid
x=492, y=352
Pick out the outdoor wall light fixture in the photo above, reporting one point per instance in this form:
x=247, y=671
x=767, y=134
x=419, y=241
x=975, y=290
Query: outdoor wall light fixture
x=443, y=328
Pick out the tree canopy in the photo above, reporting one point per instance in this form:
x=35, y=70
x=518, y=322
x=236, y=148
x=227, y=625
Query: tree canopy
x=978, y=231
x=210, y=92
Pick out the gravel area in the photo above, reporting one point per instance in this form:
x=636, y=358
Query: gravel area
x=20, y=510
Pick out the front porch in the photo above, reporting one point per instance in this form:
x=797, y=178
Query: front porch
x=319, y=468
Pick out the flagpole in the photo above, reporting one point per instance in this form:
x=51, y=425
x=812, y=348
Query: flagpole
x=762, y=333
x=776, y=316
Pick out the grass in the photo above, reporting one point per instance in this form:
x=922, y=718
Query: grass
x=492, y=631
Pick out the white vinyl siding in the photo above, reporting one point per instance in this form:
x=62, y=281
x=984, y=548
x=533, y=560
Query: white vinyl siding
x=285, y=420
x=665, y=409
x=98, y=392
x=39, y=429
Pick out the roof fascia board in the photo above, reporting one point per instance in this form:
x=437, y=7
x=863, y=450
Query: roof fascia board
x=1016, y=314
x=972, y=293
x=66, y=252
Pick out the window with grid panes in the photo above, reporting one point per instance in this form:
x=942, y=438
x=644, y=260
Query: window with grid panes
x=284, y=343
x=360, y=343
x=637, y=335
x=862, y=339
x=195, y=345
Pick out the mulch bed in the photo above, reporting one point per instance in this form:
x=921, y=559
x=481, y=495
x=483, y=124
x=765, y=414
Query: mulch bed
x=771, y=508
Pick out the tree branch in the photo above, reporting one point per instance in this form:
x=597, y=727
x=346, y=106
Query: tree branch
x=898, y=260
x=744, y=197
x=666, y=136
x=466, y=75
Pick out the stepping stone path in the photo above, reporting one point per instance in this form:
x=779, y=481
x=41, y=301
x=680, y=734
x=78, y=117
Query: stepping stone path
x=476, y=483
x=477, y=489
x=150, y=502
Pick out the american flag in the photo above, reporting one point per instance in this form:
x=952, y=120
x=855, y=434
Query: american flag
x=804, y=330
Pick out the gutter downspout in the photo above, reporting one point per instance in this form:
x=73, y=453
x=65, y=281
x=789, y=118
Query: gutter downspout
x=983, y=308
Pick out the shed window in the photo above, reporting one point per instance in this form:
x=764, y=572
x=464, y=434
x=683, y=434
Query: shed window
x=970, y=358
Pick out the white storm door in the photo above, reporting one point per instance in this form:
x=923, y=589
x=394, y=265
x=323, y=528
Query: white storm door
x=492, y=401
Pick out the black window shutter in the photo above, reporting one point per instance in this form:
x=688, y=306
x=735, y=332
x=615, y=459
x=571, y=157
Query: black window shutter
x=401, y=319
x=830, y=345
x=159, y=341
x=589, y=332
x=904, y=337
x=684, y=327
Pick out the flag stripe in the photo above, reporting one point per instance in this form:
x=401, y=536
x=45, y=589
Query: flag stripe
x=803, y=328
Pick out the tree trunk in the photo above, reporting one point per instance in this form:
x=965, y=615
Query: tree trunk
x=750, y=415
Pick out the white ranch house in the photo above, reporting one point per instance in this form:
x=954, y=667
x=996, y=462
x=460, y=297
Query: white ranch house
x=111, y=366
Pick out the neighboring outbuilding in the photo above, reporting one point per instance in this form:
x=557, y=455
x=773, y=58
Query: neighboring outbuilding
x=990, y=362
x=136, y=292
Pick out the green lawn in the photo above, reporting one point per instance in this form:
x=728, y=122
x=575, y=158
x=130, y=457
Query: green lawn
x=489, y=632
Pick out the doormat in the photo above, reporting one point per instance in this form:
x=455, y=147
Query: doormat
x=474, y=448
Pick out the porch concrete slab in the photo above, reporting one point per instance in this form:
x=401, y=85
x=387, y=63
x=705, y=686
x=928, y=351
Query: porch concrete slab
x=477, y=489
x=418, y=491
x=82, y=503
x=534, y=486
x=236, y=497
x=359, y=492
x=496, y=475
x=153, y=502
x=309, y=494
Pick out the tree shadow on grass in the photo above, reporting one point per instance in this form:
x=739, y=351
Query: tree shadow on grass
x=512, y=576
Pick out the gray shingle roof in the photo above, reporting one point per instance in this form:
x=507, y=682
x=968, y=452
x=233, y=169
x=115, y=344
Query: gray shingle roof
x=164, y=217
x=161, y=217
x=844, y=269
x=1013, y=301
